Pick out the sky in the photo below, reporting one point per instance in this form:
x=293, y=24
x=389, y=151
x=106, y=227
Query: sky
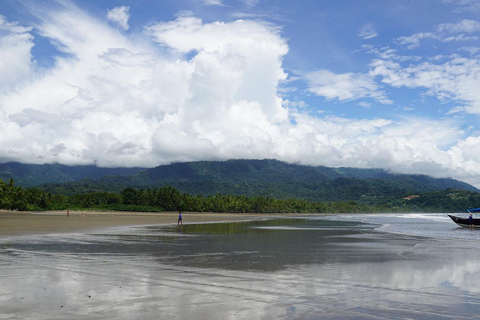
x=349, y=83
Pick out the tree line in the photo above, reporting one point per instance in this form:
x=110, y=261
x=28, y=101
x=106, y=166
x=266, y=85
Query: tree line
x=168, y=198
x=13, y=197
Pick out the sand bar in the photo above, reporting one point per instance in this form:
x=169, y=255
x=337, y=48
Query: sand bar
x=22, y=223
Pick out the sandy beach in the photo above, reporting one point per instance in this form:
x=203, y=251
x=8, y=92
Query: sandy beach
x=113, y=265
x=22, y=223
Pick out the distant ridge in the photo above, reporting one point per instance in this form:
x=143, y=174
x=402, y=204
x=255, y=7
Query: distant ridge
x=283, y=180
x=267, y=178
x=31, y=175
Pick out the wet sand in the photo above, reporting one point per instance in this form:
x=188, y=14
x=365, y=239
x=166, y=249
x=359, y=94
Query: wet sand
x=274, y=269
x=24, y=223
x=38, y=283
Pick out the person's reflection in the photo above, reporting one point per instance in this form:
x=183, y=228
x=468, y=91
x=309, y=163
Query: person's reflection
x=180, y=229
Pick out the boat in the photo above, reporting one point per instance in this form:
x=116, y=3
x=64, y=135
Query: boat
x=465, y=221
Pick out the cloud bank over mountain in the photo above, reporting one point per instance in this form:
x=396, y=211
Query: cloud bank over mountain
x=185, y=89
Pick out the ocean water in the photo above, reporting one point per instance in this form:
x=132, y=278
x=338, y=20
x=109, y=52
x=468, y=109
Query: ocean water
x=348, y=266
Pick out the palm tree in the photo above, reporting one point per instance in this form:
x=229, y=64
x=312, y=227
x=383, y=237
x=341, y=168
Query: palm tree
x=11, y=196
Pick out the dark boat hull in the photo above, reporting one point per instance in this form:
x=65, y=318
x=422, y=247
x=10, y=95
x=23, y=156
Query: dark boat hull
x=465, y=222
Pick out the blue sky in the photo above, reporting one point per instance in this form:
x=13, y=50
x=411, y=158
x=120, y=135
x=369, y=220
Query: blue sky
x=370, y=84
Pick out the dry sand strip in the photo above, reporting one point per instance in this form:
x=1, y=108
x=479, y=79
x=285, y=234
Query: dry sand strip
x=22, y=223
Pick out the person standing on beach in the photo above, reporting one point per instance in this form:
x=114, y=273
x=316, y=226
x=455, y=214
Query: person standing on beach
x=470, y=220
x=180, y=219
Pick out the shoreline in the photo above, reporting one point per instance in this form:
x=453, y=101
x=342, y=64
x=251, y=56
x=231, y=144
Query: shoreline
x=16, y=223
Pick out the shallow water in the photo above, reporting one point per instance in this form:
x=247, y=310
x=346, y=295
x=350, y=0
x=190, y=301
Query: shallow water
x=395, y=266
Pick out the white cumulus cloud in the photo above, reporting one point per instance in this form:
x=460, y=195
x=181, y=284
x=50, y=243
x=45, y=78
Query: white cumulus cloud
x=347, y=86
x=118, y=102
x=120, y=16
x=16, y=60
x=189, y=90
x=458, y=78
x=468, y=26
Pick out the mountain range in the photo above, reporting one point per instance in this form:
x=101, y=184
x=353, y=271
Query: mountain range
x=33, y=175
x=267, y=178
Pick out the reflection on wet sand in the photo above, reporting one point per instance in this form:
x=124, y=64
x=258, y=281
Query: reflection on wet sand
x=287, y=269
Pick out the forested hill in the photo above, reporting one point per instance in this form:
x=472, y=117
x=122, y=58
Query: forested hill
x=273, y=171
x=267, y=178
x=30, y=175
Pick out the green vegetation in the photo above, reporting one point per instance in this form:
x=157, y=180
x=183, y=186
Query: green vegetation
x=31, y=175
x=161, y=199
x=250, y=178
x=169, y=198
x=11, y=196
x=264, y=178
x=228, y=186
